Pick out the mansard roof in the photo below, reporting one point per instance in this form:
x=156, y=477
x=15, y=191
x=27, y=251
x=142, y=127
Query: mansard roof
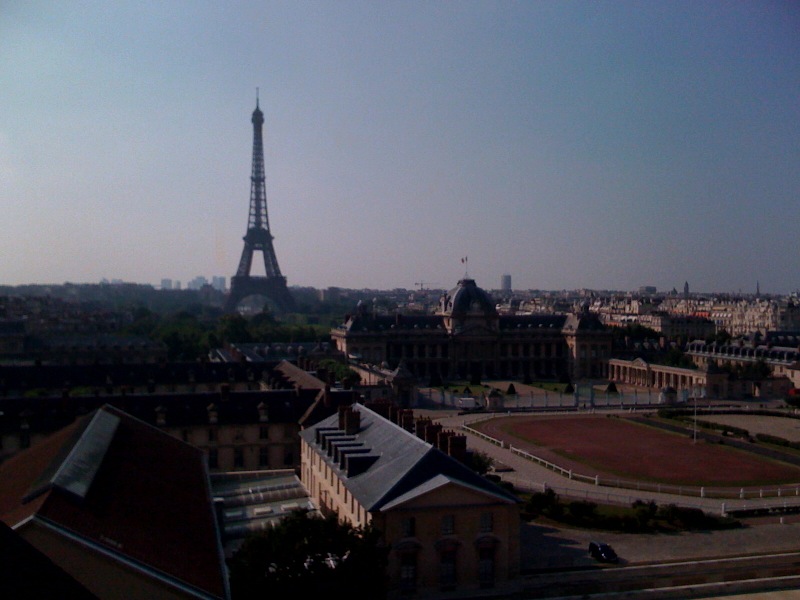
x=583, y=321
x=364, y=321
x=554, y=322
x=467, y=299
x=403, y=463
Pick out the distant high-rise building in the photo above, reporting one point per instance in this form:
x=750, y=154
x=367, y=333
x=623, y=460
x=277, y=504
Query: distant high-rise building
x=686, y=289
x=197, y=283
x=647, y=289
x=166, y=284
x=218, y=283
x=505, y=282
x=177, y=285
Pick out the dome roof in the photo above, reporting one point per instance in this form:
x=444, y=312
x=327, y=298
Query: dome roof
x=467, y=298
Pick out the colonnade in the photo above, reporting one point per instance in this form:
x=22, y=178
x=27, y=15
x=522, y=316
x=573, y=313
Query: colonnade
x=643, y=374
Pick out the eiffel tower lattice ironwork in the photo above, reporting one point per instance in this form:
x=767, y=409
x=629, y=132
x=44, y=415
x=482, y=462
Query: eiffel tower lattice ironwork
x=258, y=237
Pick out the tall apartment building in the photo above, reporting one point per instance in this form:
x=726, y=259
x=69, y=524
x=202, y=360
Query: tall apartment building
x=218, y=283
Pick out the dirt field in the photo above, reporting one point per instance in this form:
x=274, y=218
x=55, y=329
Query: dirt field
x=603, y=445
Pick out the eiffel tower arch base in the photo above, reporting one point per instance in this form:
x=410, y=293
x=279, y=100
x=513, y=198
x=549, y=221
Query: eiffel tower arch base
x=273, y=288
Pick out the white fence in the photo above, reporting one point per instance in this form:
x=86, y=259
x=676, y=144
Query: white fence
x=787, y=496
x=581, y=398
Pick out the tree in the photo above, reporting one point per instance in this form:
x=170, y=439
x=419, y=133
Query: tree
x=340, y=372
x=184, y=336
x=481, y=462
x=233, y=328
x=307, y=555
x=674, y=357
x=543, y=503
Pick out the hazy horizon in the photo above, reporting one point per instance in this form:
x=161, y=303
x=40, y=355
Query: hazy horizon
x=603, y=145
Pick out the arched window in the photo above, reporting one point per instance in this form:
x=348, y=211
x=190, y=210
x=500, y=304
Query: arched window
x=448, y=570
x=486, y=547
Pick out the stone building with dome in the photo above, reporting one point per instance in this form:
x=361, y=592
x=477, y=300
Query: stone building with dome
x=467, y=339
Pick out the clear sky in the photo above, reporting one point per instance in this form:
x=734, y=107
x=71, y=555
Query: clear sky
x=598, y=144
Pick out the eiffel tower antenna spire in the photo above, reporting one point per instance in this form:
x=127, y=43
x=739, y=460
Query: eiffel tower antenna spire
x=258, y=236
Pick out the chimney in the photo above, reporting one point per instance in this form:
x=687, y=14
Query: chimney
x=406, y=419
x=326, y=398
x=349, y=420
x=431, y=433
x=457, y=447
x=441, y=440
x=420, y=425
x=352, y=422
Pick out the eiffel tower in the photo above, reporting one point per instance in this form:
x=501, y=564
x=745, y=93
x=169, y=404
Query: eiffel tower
x=258, y=237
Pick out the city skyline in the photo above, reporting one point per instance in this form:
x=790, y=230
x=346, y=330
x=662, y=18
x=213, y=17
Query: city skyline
x=606, y=145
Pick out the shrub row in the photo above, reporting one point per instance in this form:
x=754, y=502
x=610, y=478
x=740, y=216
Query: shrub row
x=777, y=441
x=640, y=517
x=724, y=428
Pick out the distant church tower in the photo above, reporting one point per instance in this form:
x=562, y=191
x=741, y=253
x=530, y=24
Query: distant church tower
x=258, y=237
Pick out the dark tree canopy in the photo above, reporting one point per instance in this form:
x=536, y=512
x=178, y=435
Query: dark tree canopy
x=338, y=371
x=307, y=555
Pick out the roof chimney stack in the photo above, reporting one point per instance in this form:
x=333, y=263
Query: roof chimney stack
x=349, y=420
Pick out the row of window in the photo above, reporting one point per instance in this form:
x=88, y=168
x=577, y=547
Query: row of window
x=547, y=368
x=397, y=351
x=239, y=458
x=329, y=476
x=212, y=433
x=448, y=572
x=448, y=524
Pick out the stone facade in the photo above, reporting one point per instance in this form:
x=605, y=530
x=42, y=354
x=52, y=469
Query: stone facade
x=447, y=529
x=467, y=339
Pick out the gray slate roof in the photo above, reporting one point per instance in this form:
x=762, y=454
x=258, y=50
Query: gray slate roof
x=405, y=466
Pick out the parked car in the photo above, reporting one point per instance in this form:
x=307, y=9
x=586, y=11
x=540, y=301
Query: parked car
x=602, y=552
